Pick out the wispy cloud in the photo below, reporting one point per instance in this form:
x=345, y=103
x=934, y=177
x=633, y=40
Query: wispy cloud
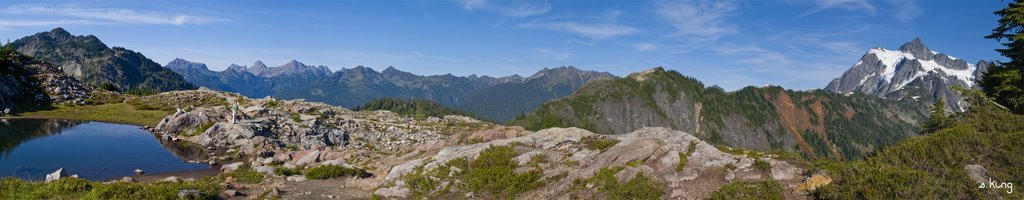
x=905, y=10
x=79, y=15
x=19, y=23
x=842, y=48
x=507, y=8
x=860, y=5
x=595, y=31
x=704, y=19
x=644, y=46
x=555, y=55
x=749, y=54
x=779, y=67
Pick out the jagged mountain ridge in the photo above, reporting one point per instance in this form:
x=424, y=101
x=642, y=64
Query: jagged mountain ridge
x=292, y=68
x=90, y=60
x=913, y=71
x=494, y=98
x=234, y=79
x=816, y=123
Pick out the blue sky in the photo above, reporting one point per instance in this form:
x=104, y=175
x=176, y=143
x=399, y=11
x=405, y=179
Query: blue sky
x=798, y=44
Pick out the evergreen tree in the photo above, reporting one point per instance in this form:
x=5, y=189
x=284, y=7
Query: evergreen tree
x=938, y=118
x=1004, y=82
x=418, y=108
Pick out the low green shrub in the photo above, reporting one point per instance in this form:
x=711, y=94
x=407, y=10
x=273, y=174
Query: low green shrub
x=284, y=171
x=740, y=190
x=73, y=188
x=684, y=156
x=597, y=143
x=333, y=171
x=245, y=174
x=762, y=165
x=420, y=183
x=638, y=187
x=493, y=172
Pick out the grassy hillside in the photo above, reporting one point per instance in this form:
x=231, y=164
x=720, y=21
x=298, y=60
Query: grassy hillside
x=986, y=141
x=113, y=113
x=816, y=123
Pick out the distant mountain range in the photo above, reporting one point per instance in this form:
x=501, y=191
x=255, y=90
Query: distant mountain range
x=87, y=59
x=498, y=99
x=814, y=122
x=912, y=71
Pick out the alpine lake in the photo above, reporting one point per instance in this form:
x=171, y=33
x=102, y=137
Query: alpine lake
x=32, y=148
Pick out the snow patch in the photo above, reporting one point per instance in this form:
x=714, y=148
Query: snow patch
x=889, y=60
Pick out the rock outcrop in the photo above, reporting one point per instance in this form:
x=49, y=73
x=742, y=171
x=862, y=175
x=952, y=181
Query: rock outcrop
x=265, y=126
x=653, y=152
x=29, y=82
x=298, y=134
x=56, y=175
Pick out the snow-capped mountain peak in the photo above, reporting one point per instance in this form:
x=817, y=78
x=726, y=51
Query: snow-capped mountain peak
x=911, y=70
x=891, y=60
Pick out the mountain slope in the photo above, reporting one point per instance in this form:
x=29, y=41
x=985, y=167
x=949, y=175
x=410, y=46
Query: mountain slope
x=816, y=123
x=88, y=59
x=27, y=83
x=983, y=147
x=516, y=98
x=913, y=71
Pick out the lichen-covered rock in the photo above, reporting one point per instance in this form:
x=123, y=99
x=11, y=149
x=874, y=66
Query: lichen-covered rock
x=651, y=152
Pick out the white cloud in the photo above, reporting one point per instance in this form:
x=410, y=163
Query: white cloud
x=645, y=46
x=754, y=55
x=556, y=55
x=108, y=15
x=596, y=29
x=472, y=4
x=700, y=18
x=858, y=5
x=905, y=10
x=18, y=23
x=507, y=8
x=593, y=31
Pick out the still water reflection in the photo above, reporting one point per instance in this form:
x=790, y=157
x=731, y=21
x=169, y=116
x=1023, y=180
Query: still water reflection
x=32, y=148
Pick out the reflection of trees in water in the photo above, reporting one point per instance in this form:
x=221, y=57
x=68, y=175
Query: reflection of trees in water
x=185, y=150
x=15, y=131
